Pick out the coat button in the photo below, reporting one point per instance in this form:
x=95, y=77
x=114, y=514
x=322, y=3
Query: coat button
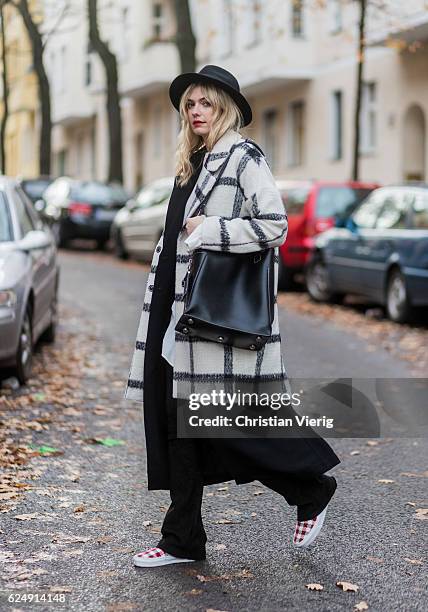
x=158, y=249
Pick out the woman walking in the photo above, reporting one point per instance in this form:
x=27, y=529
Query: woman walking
x=241, y=212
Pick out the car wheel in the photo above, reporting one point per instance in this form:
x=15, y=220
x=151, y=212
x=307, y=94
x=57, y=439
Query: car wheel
x=119, y=247
x=398, y=306
x=317, y=283
x=285, y=276
x=50, y=332
x=24, y=356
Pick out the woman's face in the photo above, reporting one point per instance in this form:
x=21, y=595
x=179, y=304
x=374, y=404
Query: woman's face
x=199, y=112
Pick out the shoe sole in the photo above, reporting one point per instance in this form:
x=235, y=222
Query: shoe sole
x=140, y=562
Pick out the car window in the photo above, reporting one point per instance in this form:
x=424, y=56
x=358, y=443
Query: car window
x=366, y=214
x=5, y=220
x=98, y=192
x=35, y=188
x=152, y=195
x=420, y=210
x=25, y=220
x=340, y=199
x=29, y=206
x=395, y=211
x=294, y=199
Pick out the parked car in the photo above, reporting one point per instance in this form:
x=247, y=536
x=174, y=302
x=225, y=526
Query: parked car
x=35, y=188
x=29, y=278
x=312, y=207
x=137, y=227
x=380, y=252
x=82, y=209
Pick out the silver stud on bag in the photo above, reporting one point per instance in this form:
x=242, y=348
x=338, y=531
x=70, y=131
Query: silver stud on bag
x=220, y=338
x=253, y=347
x=258, y=338
x=190, y=321
x=185, y=330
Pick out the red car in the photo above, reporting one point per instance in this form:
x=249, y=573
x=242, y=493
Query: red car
x=312, y=207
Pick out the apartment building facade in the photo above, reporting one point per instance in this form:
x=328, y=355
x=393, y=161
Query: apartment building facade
x=22, y=127
x=296, y=62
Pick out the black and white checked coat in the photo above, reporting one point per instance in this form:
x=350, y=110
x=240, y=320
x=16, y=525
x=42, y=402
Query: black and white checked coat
x=244, y=213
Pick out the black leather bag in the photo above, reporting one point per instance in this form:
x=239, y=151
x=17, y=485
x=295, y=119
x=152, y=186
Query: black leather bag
x=229, y=297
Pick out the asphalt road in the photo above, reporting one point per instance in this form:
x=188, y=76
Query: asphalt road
x=372, y=537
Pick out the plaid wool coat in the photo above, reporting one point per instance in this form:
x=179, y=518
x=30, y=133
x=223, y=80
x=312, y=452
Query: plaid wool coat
x=244, y=213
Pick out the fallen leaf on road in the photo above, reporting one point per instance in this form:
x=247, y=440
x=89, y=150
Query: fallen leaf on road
x=314, y=586
x=421, y=514
x=60, y=589
x=414, y=561
x=65, y=538
x=47, y=450
x=226, y=522
x=29, y=517
x=375, y=559
x=104, y=441
x=372, y=443
x=410, y=504
x=361, y=606
x=385, y=481
x=193, y=592
x=241, y=574
x=413, y=475
x=347, y=586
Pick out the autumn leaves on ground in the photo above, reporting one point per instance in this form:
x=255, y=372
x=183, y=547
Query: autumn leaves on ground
x=74, y=505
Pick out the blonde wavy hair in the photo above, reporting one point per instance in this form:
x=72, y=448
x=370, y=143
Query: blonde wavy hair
x=226, y=115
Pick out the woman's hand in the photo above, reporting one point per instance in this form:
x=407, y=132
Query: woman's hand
x=193, y=223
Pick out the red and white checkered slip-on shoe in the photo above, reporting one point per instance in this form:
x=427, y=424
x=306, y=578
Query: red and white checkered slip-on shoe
x=153, y=557
x=306, y=531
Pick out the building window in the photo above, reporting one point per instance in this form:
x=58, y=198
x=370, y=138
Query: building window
x=227, y=27
x=124, y=38
x=296, y=133
x=88, y=70
x=270, y=136
x=336, y=21
x=158, y=20
x=254, y=13
x=297, y=18
x=336, y=123
x=368, y=125
x=157, y=131
x=62, y=69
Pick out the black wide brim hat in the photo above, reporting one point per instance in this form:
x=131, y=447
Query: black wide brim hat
x=214, y=75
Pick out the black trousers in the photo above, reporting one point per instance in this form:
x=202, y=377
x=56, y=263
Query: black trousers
x=183, y=533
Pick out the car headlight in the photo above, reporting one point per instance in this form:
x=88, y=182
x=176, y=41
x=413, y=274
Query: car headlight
x=7, y=299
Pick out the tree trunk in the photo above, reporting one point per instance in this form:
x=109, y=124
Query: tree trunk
x=361, y=51
x=43, y=86
x=5, y=94
x=108, y=59
x=184, y=38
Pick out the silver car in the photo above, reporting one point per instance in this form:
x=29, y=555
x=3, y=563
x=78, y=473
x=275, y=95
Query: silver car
x=137, y=227
x=29, y=277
